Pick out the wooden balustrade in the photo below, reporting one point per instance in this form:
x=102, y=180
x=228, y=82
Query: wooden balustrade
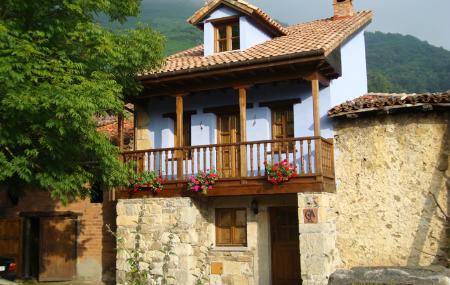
x=243, y=160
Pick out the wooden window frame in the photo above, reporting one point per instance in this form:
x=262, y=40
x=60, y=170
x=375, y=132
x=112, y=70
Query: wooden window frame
x=228, y=23
x=233, y=227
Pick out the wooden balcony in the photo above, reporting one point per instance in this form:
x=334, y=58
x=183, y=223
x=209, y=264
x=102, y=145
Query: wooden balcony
x=241, y=166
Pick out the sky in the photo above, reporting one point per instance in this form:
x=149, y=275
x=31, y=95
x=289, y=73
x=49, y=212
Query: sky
x=426, y=19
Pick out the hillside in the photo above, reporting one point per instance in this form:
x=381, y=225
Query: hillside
x=396, y=63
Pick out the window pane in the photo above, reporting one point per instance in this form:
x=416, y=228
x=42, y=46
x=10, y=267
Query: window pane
x=235, y=29
x=221, y=32
x=222, y=45
x=235, y=44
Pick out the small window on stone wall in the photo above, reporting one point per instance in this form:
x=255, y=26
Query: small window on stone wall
x=231, y=227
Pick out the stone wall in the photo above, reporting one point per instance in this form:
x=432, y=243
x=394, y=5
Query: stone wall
x=386, y=168
x=191, y=221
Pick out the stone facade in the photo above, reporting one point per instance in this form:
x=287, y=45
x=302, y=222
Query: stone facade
x=191, y=221
x=386, y=168
x=318, y=253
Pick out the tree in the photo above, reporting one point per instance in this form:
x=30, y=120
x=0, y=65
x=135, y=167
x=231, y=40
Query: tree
x=59, y=71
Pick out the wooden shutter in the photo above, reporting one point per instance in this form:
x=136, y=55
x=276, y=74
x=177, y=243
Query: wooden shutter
x=231, y=227
x=58, y=247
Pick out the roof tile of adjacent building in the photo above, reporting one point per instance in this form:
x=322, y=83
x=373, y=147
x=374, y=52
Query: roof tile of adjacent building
x=386, y=102
x=317, y=38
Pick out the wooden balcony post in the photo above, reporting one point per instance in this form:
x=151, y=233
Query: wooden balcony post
x=120, y=132
x=179, y=142
x=316, y=114
x=243, y=129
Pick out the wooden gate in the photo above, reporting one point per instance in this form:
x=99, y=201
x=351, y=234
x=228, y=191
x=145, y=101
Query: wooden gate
x=11, y=240
x=285, y=246
x=58, y=252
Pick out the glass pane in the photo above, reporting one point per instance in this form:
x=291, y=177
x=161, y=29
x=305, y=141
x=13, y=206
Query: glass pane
x=235, y=44
x=240, y=236
x=221, y=32
x=235, y=29
x=241, y=218
x=222, y=45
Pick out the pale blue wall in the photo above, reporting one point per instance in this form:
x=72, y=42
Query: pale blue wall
x=251, y=35
x=353, y=82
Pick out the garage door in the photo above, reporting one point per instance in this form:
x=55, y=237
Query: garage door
x=57, y=249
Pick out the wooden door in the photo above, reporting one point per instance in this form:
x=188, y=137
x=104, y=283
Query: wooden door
x=285, y=246
x=57, y=249
x=11, y=241
x=228, y=132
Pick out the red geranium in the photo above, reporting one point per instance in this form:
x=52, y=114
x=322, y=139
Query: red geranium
x=280, y=172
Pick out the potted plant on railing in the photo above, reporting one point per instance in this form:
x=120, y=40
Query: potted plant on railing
x=146, y=180
x=203, y=182
x=278, y=173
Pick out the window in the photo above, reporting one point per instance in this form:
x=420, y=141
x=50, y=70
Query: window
x=227, y=36
x=231, y=227
x=282, y=123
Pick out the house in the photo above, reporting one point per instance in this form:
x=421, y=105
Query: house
x=255, y=92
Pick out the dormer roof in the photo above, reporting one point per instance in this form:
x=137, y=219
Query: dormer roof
x=313, y=39
x=258, y=15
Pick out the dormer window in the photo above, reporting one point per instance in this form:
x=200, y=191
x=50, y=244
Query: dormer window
x=227, y=35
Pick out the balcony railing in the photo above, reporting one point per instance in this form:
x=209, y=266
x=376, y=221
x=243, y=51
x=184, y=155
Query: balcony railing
x=245, y=160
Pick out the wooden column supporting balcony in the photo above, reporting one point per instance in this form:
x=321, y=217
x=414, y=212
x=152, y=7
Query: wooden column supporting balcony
x=316, y=114
x=179, y=142
x=243, y=128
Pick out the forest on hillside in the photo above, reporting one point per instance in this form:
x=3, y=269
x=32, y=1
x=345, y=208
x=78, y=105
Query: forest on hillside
x=395, y=63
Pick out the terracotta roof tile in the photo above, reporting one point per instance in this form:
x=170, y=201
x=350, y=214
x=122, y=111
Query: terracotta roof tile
x=373, y=102
x=241, y=5
x=321, y=36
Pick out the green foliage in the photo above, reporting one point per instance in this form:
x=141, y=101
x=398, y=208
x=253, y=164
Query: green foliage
x=398, y=63
x=59, y=70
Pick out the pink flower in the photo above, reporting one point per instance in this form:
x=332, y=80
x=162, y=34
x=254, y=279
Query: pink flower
x=196, y=188
x=192, y=179
x=210, y=188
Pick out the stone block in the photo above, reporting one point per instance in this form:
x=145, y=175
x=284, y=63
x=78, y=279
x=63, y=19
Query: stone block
x=126, y=221
x=232, y=267
x=183, y=249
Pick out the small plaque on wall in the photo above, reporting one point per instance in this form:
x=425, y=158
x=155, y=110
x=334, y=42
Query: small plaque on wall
x=311, y=215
